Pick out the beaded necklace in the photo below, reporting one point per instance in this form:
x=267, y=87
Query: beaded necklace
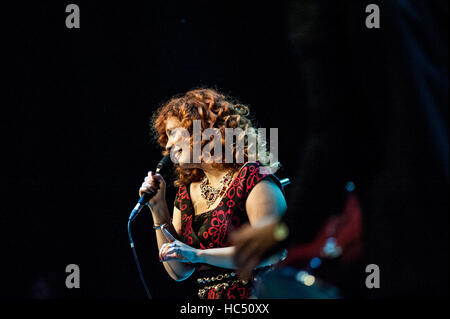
x=210, y=193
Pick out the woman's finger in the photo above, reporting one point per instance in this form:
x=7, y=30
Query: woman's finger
x=173, y=249
x=160, y=252
x=163, y=250
x=174, y=256
x=146, y=188
x=163, y=246
x=147, y=185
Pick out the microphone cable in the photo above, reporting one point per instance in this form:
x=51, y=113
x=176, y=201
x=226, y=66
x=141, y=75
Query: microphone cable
x=136, y=260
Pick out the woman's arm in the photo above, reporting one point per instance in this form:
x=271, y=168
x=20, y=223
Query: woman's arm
x=154, y=183
x=177, y=270
x=223, y=257
x=264, y=205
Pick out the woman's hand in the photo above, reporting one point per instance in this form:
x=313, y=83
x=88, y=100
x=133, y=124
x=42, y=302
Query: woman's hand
x=154, y=183
x=178, y=251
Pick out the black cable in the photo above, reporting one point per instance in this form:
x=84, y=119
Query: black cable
x=137, y=260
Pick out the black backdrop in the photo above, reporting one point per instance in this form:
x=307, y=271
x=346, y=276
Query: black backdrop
x=78, y=125
x=77, y=144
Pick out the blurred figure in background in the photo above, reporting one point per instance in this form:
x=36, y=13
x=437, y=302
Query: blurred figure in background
x=377, y=103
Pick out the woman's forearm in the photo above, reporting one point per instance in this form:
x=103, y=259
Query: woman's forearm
x=177, y=270
x=223, y=257
x=219, y=257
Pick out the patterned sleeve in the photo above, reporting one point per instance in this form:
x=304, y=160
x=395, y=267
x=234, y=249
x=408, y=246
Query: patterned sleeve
x=181, y=198
x=253, y=173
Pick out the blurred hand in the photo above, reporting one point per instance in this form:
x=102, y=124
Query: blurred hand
x=251, y=244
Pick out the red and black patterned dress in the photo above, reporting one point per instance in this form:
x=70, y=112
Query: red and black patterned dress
x=211, y=230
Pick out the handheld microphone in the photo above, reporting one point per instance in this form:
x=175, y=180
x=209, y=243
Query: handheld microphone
x=163, y=164
x=161, y=167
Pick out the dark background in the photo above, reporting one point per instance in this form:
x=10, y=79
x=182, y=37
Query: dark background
x=77, y=137
x=78, y=125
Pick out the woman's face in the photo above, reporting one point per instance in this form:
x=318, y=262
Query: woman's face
x=178, y=143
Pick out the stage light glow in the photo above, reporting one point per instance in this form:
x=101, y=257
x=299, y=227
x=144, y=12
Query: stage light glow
x=350, y=187
x=330, y=246
x=309, y=280
x=301, y=275
x=315, y=262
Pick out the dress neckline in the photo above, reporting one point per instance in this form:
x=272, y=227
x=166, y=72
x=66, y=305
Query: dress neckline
x=206, y=213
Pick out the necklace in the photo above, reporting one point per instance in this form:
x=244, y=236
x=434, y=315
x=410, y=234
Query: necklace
x=210, y=193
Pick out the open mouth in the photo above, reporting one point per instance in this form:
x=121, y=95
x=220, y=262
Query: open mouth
x=177, y=153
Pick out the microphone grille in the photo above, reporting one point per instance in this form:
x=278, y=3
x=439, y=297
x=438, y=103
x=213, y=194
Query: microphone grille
x=163, y=164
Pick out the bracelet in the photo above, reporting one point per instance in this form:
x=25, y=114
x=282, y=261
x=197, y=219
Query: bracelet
x=156, y=227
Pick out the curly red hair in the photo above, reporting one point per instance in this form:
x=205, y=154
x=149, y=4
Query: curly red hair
x=214, y=110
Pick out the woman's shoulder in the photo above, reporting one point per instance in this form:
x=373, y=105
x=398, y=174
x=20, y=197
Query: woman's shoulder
x=252, y=173
x=252, y=168
x=250, y=165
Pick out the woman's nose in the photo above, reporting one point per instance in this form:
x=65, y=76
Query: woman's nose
x=169, y=144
